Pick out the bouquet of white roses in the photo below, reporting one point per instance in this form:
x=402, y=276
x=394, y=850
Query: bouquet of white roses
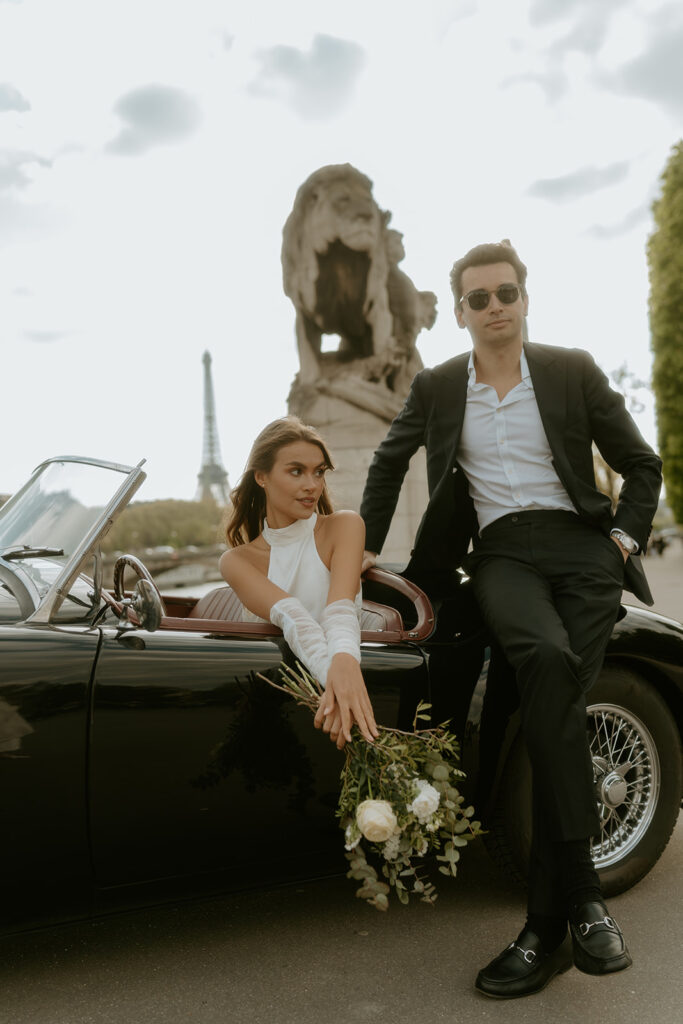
x=398, y=794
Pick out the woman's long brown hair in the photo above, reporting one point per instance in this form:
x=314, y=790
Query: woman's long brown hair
x=248, y=512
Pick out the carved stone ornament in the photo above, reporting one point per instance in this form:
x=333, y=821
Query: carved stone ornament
x=340, y=267
x=340, y=261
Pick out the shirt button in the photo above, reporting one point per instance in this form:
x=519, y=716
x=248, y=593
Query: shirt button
x=514, y=519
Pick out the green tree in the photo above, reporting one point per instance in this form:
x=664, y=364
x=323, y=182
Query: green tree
x=176, y=523
x=665, y=258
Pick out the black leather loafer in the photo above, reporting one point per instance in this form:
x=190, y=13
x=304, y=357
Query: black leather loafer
x=598, y=944
x=523, y=967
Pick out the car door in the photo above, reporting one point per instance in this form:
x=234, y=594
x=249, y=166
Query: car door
x=44, y=857
x=197, y=765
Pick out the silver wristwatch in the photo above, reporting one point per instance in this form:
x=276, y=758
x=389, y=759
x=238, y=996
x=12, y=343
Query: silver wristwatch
x=626, y=542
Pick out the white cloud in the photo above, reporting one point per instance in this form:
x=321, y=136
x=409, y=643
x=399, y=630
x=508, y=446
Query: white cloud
x=632, y=219
x=153, y=115
x=543, y=12
x=16, y=166
x=45, y=336
x=317, y=84
x=554, y=83
x=578, y=183
x=657, y=73
x=12, y=99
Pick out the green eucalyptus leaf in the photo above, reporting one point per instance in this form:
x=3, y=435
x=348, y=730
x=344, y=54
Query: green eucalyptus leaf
x=387, y=770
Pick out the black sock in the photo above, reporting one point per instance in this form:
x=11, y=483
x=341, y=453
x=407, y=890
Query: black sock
x=579, y=877
x=550, y=930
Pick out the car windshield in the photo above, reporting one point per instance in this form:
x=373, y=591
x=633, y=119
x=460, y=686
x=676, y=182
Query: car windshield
x=43, y=525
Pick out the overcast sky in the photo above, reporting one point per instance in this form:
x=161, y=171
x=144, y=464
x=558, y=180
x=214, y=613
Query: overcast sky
x=150, y=151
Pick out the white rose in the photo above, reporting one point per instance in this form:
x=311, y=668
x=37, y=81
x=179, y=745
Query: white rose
x=426, y=801
x=376, y=820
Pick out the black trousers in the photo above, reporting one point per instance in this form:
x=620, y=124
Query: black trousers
x=549, y=587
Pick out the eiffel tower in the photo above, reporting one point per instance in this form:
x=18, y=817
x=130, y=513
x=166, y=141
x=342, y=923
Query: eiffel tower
x=213, y=478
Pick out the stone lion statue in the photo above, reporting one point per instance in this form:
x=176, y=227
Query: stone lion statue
x=340, y=269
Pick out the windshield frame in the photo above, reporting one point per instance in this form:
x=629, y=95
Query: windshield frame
x=132, y=480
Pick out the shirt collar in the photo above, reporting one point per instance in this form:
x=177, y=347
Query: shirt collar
x=523, y=365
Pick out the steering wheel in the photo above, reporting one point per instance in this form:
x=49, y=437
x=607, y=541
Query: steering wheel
x=142, y=573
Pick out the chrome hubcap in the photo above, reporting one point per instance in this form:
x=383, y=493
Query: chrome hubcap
x=613, y=790
x=627, y=778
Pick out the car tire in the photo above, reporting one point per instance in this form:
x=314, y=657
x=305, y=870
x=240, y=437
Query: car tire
x=636, y=751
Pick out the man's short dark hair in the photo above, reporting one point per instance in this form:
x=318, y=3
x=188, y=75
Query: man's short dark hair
x=481, y=256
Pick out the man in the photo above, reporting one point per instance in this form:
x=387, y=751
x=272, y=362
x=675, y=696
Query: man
x=508, y=431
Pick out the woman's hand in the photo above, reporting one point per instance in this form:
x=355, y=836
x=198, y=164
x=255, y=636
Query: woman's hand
x=345, y=702
x=335, y=728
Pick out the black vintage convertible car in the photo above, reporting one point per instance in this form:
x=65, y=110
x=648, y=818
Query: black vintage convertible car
x=142, y=757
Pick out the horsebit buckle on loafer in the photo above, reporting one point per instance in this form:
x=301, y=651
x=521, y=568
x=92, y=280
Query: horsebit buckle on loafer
x=585, y=927
x=528, y=954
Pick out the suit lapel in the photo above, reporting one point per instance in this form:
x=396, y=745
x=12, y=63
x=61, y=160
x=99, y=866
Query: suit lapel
x=455, y=398
x=441, y=541
x=549, y=377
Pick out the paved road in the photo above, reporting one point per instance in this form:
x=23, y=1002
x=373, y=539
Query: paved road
x=312, y=954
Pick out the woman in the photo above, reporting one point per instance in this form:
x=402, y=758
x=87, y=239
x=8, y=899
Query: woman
x=296, y=563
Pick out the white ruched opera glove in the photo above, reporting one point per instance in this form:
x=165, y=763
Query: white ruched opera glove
x=303, y=634
x=341, y=627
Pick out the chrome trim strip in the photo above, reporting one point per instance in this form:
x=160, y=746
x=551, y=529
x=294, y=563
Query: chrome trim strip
x=120, y=467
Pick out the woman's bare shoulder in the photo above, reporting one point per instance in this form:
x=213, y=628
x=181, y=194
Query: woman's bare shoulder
x=235, y=560
x=341, y=524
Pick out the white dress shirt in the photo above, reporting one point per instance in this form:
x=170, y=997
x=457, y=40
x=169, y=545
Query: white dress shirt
x=504, y=451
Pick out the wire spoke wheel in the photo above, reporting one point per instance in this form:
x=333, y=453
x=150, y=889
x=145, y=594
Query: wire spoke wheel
x=635, y=746
x=627, y=776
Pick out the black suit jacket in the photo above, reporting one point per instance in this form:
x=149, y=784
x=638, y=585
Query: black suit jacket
x=577, y=407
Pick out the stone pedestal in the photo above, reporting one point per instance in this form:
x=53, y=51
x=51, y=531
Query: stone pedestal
x=352, y=435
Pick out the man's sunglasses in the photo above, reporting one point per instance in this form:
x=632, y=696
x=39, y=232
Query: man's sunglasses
x=479, y=298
